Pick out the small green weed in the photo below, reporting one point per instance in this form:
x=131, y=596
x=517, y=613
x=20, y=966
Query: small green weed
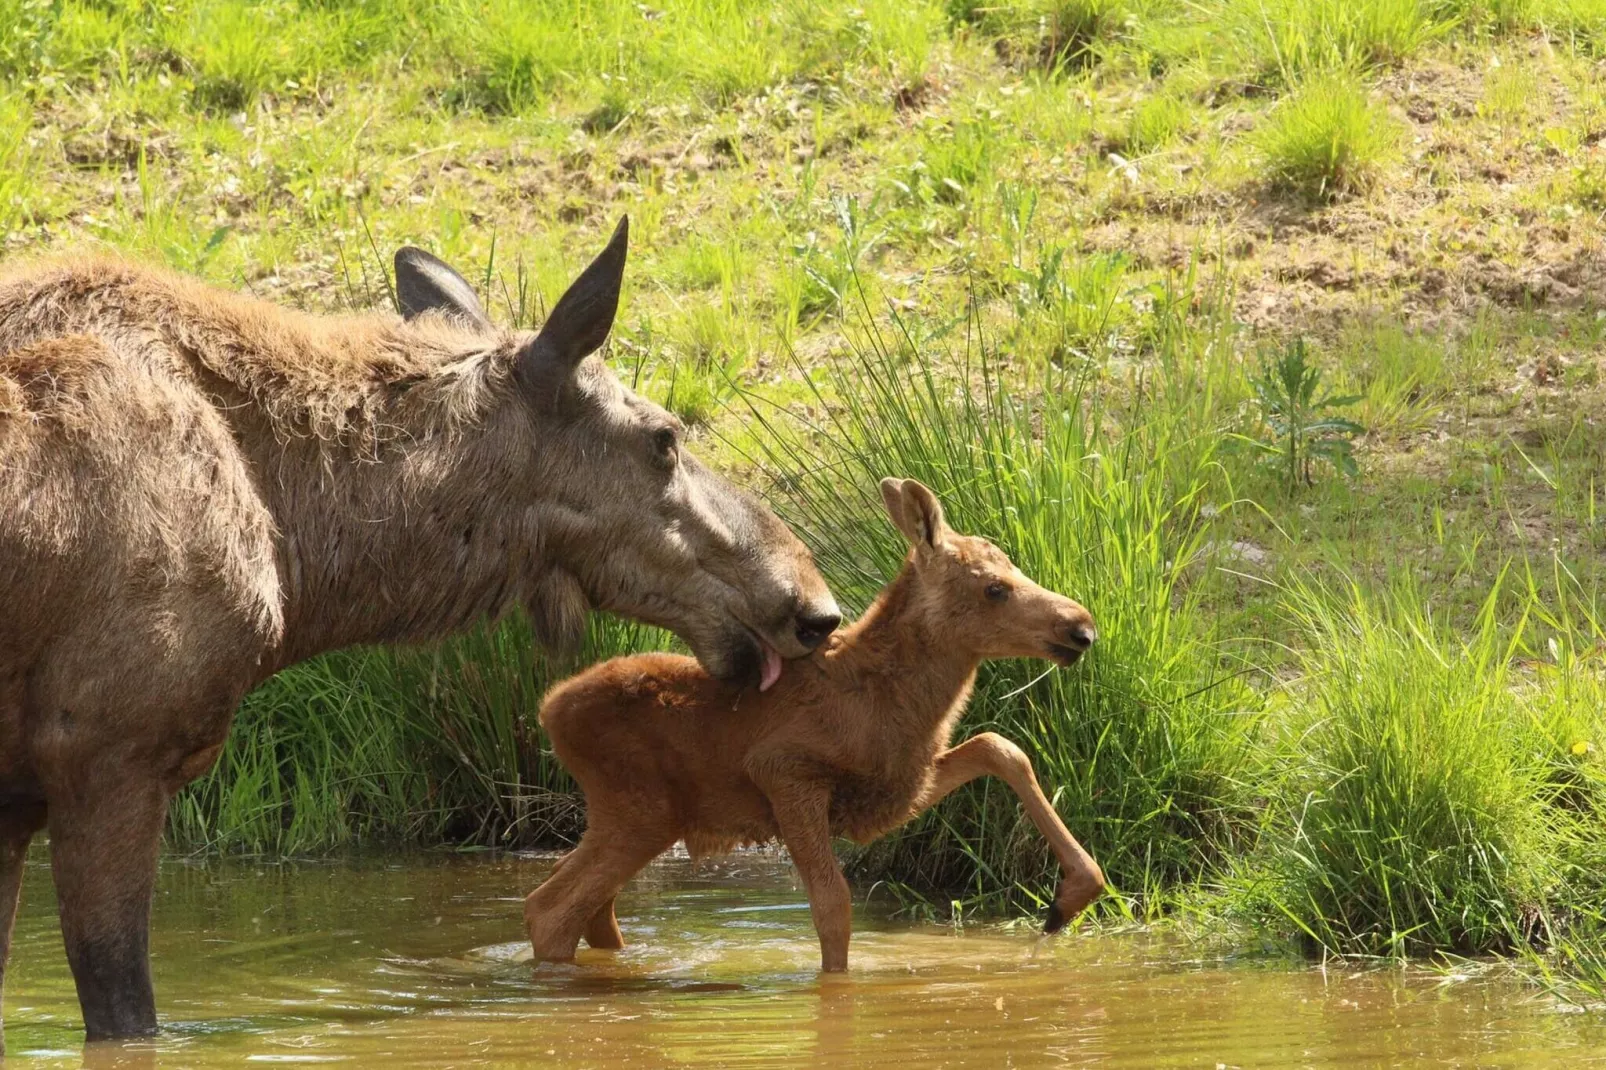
x=1303, y=417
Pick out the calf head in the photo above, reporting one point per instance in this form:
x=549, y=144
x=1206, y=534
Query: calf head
x=627, y=519
x=974, y=595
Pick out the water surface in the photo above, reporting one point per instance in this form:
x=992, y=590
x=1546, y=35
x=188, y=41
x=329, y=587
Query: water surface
x=419, y=962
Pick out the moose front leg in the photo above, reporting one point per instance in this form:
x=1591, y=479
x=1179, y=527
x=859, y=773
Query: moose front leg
x=18, y=823
x=991, y=754
x=104, y=837
x=804, y=818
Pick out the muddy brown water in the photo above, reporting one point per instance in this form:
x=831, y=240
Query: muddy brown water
x=418, y=962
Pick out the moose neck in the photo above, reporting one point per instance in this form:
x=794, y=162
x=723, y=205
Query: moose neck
x=894, y=647
x=425, y=539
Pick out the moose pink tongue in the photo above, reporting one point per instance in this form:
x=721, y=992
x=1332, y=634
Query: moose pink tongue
x=772, y=668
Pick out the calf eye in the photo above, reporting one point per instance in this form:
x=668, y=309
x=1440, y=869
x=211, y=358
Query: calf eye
x=666, y=442
x=997, y=592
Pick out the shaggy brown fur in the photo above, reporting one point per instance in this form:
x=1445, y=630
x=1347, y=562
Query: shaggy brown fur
x=198, y=489
x=853, y=742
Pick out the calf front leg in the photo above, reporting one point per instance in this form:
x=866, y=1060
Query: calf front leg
x=991, y=754
x=18, y=823
x=804, y=818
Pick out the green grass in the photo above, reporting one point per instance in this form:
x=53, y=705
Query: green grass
x=1326, y=139
x=1413, y=813
x=1155, y=123
x=1292, y=40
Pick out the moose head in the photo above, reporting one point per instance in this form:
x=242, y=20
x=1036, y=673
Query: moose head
x=624, y=517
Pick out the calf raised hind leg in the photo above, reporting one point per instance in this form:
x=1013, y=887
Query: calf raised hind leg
x=18, y=823
x=991, y=754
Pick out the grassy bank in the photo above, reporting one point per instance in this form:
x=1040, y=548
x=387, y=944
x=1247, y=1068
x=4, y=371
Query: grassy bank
x=1051, y=258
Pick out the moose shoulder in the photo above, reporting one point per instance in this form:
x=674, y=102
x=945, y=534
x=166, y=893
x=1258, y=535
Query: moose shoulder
x=198, y=489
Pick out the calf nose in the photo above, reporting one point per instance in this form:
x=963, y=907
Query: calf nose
x=813, y=627
x=1080, y=634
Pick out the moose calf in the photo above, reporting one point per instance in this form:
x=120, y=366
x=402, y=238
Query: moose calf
x=853, y=742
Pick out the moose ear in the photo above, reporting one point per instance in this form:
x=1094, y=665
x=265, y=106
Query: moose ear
x=583, y=316
x=425, y=283
x=915, y=510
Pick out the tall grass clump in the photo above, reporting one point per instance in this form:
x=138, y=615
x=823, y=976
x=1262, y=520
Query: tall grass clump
x=1326, y=139
x=1146, y=743
x=321, y=756
x=1517, y=16
x=234, y=54
x=1155, y=123
x=1288, y=41
x=1053, y=33
x=1417, y=809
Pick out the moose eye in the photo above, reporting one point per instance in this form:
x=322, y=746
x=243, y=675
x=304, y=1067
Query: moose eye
x=997, y=592
x=666, y=442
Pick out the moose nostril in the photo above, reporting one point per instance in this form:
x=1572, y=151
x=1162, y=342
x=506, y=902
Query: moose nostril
x=812, y=628
x=1081, y=635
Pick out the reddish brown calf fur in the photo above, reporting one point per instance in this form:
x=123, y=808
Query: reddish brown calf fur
x=852, y=741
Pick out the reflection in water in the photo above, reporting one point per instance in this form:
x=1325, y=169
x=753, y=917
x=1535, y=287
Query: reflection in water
x=420, y=962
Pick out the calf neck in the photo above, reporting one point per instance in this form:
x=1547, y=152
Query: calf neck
x=853, y=742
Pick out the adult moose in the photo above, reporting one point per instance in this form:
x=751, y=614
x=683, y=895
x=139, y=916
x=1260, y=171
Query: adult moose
x=198, y=489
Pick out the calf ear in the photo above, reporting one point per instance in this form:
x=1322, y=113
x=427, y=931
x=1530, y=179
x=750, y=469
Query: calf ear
x=425, y=283
x=583, y=316
x=915, y=510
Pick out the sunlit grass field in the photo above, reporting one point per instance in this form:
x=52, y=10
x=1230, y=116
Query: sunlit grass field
x=1268, y=330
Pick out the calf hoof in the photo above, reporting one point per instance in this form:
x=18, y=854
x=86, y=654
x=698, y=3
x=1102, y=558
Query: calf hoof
x=546, y=949
x=549, y=946
x=1070, y=900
